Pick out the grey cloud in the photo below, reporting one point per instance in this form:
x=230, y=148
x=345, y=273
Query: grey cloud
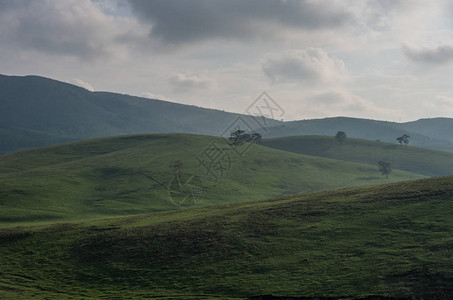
x=329, y=98
x=7, y=6
x=435, y=55
x=380, y=8
x=345, y=102
x=176, y=22
x=181, y=82
x=379, y=14
x=311, y=66
x=72, y=28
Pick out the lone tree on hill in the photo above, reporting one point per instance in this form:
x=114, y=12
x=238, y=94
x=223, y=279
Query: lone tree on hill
x=385, y=168
x=238, y=137
x=341, y=136
x=177, y=166
x=256, y=138
x=404, y=139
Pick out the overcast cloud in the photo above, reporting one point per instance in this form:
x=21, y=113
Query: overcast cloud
x=433, y=55
x=73, y=28
x=186, y=83
x=381, y=59
x=311, y=65
x=195, y=20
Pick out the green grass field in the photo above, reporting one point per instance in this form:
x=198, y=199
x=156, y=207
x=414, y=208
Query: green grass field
x=412, y=159
x=390, y=240
x=131, y=175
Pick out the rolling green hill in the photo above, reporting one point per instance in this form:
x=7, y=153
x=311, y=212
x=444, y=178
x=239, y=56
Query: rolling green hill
x=412, y=159
x=37, y=111
x=390, y=240
x=132, y=174
x=426, y=133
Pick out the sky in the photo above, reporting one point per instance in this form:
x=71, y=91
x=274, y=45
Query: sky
x=377, y=59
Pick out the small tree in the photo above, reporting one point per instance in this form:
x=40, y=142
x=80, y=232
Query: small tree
x=385, y=168
x=177, y=166
x=404, y=139
x=341, y=136
x=256, y=138
x=238, y=137
x=246, y=137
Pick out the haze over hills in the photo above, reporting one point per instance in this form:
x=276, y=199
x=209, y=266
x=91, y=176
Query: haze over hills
x=427, y=133
x=37, y=111
x=437, y=128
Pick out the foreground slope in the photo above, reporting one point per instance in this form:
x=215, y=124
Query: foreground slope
x=133, y=174
x=390, y=240
x=412, y=159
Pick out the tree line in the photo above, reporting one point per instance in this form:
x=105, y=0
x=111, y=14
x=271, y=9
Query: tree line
x=384, y=167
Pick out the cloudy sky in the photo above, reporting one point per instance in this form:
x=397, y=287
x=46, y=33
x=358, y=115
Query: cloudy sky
x=379, y=59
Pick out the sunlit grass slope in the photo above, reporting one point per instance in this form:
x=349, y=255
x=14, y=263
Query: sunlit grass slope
x=412, y=159
x=390, y=240
x=131, y=174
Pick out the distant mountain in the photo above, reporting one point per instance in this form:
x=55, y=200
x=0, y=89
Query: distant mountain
x=438, y=128
x=37, y=111
x=427, y=133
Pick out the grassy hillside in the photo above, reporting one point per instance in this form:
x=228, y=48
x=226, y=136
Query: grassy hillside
x=391, y=240
x=412, y=159
x=132, y=174
x=431, y=134
x=37, y=111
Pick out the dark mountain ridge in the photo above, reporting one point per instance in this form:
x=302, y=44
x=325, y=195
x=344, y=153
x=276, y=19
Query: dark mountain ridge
x=37, y=111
